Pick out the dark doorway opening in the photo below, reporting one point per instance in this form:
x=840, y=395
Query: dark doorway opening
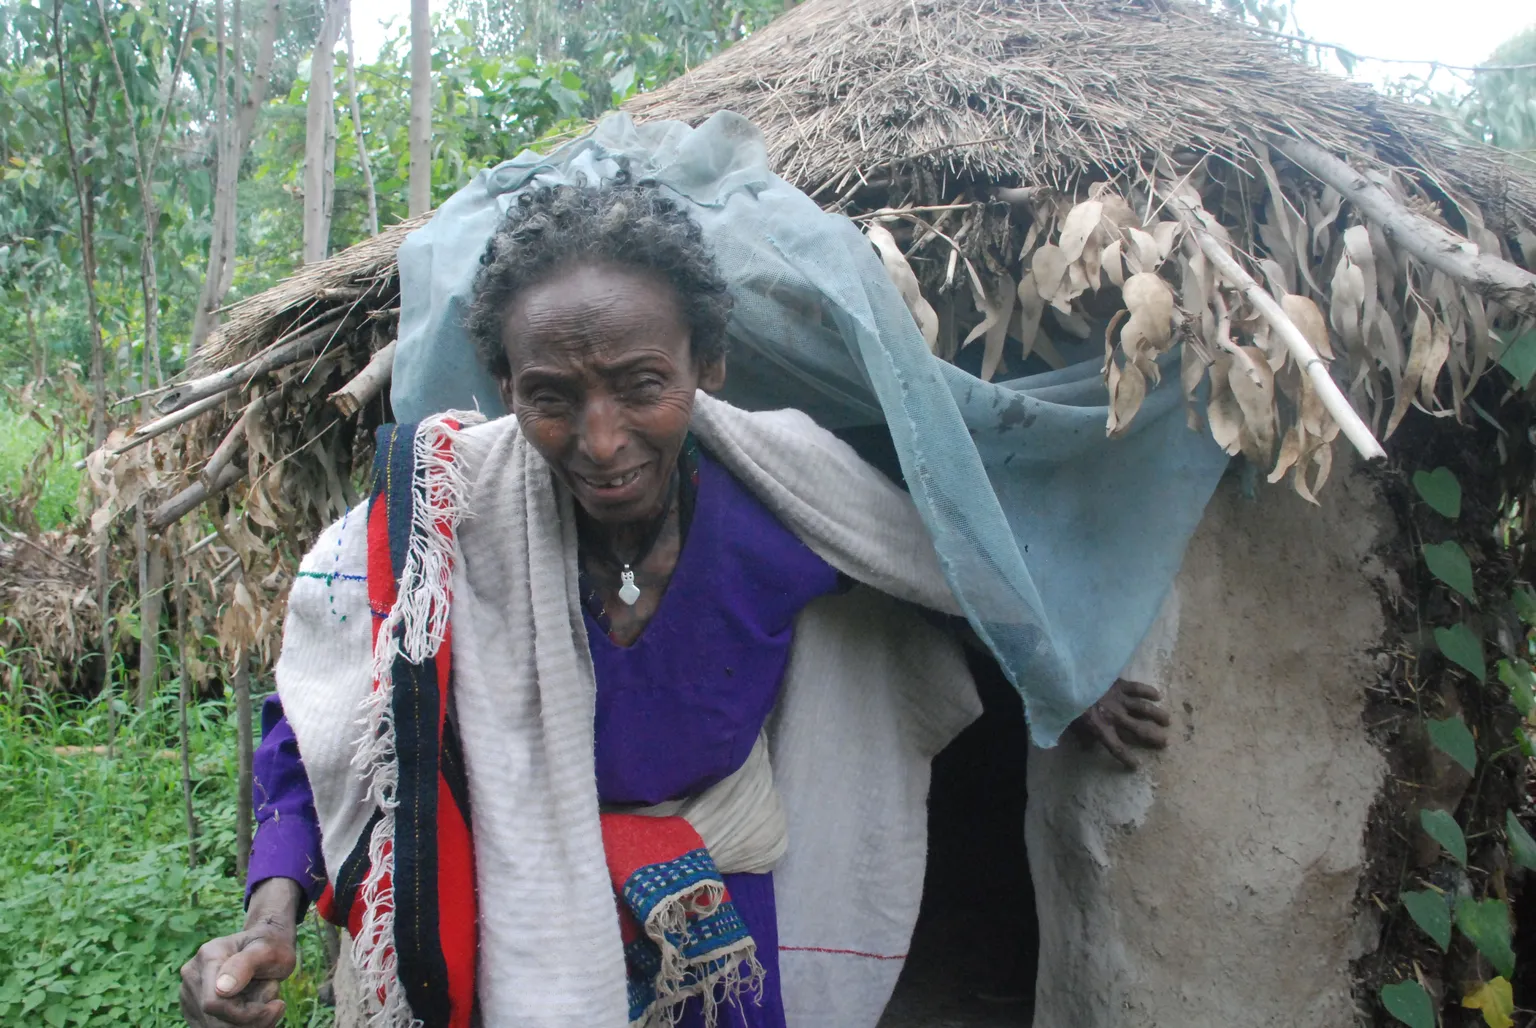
x=973, y=955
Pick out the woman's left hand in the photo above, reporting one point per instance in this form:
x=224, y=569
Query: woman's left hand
x=1131, y=713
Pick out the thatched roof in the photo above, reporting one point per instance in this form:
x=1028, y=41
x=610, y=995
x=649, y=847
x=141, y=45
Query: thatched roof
x=1032, y=92
x=1032, y=171
x=1020, y=92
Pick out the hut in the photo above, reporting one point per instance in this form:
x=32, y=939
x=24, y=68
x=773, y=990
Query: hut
x=1130, y=178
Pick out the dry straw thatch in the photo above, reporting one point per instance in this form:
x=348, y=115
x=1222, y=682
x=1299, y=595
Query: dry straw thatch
x=1032, y=172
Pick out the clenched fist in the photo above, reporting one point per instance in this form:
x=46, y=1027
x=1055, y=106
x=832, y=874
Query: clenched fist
x=233, y=982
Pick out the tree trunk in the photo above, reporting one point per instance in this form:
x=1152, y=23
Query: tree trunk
x=320, y=136
x=357, y=135
x=221, y=245
x=229, y=162
x=141, y=548
x=183, y=572
x=39, y=355
x=149, y=279
x=242, y=687
x=421, y=109
x=151, y=597
x=85, y=197
x=250, y=104
x=204, y=318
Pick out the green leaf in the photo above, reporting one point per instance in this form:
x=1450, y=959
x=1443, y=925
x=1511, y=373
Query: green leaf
x=1409, y=1003
x=1516, y=674
x=1442, y=827
x=1518, y=356
x=1486, y=923
x=1525, y=604
x=1431, y=911
x=1448, y=562
x=1440, y=489
x=1452, y=736
x=622, y=80
x=1462, y=647
x=1522, y=848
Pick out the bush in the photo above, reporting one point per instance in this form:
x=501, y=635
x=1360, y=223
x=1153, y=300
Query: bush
x=98, y=909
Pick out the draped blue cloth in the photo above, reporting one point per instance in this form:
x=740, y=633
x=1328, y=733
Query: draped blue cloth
x=1059, y=544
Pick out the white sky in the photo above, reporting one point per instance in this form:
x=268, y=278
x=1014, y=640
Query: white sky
x=1455, y=32
x=1459, y=32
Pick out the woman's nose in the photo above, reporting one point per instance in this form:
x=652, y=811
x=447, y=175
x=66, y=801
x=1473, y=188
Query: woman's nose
x=603, y=433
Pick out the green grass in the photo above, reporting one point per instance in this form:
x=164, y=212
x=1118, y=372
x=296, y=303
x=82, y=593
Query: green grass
x=20, y=438
x=98, y=909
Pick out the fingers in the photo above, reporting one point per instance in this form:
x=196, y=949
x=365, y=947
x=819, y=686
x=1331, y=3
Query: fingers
x=1144, y=733
x=266, y=1015
x=1098, y=723
x=256, y=958
x=1118, y=749
x=1148, y=711
x=1139, y=690
x=234, y=982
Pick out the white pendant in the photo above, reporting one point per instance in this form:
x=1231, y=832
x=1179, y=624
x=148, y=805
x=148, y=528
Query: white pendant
x=629, y=592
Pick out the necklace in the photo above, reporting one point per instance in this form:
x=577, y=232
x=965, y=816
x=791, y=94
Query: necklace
x=629, y=592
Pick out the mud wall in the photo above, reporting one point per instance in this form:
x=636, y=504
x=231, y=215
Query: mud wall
x=1217, y=886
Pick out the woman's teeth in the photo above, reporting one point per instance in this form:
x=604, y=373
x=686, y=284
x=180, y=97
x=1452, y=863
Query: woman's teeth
x=614, y=483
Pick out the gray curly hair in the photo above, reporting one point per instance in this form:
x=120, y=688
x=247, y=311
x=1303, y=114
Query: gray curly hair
x=633, y=224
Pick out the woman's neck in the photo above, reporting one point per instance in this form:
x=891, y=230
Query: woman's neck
x=625, y=543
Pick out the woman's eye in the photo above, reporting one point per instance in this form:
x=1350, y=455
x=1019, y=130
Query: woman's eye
x=645, y=386
x=546, y=398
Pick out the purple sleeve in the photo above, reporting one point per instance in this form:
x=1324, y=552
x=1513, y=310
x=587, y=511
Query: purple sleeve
x=287, y=840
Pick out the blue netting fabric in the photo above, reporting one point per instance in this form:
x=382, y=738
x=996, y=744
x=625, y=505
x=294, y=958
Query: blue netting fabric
x=1059, y=543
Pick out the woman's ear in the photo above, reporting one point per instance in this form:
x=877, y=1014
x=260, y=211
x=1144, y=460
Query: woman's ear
x=712, y=375
x=505, y=386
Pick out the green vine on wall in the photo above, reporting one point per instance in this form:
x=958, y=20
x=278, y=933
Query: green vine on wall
x=1485, y=921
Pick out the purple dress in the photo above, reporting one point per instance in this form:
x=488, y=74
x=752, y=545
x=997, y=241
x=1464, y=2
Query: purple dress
x=677, y=711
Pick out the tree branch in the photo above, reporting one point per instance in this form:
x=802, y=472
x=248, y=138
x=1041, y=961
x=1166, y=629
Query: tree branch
x=1306, y=357
x=366, y=384
x=278, y=355
x=1485, y=274
x=174, y=509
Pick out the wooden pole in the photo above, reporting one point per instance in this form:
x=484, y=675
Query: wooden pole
x=1354, y=429
x=320, y=135
x=357, y=134
x=420, y=186
x=150, y=606
x=278, y=355
x=242, y=687
x=1488, y=275
x=144, y=433
x=366, y=384
x=172, y=510
x=184, y=698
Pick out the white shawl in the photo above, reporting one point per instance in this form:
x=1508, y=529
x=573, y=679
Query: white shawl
x=871, y=694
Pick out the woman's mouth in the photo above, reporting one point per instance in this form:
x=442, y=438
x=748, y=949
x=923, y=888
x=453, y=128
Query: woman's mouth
x=611, y=482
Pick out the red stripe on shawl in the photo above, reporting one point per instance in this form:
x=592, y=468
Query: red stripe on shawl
x=381, y=573
x=456, y=899
x=325, y=903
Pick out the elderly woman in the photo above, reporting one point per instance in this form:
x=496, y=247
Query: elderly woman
x=616, y=711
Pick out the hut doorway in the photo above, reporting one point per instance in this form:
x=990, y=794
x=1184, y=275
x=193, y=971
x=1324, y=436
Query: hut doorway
x=973, y=955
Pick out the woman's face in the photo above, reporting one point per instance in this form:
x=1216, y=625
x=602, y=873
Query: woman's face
x=603, y=379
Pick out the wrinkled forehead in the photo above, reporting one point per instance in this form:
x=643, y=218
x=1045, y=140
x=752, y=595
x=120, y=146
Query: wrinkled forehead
x=594, y=313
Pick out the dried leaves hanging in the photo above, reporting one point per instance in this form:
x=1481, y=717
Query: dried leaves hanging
x=1400, y=335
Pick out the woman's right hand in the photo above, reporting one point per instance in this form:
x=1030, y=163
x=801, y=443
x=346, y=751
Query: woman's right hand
x=233, y=982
